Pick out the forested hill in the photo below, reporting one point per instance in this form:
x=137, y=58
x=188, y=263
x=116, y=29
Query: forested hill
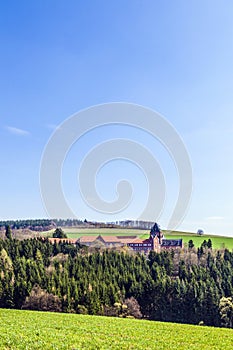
x=40, y=224
x=48, y=224
x=187, y=286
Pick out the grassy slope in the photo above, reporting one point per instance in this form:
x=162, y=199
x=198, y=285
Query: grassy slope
x=39, y=330
x=218, y=241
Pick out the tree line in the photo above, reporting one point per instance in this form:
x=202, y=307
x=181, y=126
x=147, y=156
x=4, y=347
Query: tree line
x=187, y=286
x=40, y=224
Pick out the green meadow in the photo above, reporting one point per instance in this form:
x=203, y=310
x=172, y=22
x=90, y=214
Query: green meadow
x=40, y=330
x=218, y=242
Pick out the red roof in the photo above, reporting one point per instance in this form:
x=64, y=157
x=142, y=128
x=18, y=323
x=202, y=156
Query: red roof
x=127, y=237
x=140, y=241
x=107, y=239
x=148, y=240
x=137, y=240
x=110, y=239
x=87, y=239
x=113, y=239
x=127, y=240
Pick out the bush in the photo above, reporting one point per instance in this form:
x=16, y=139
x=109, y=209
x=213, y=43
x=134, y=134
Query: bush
x=81, y=309
x=41, y=300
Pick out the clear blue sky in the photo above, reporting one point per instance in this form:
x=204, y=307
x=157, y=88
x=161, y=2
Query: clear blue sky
x=175, y=57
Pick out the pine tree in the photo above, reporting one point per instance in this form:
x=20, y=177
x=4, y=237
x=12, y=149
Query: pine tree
x=190, y=244
x=59, y=233
x=8, y=232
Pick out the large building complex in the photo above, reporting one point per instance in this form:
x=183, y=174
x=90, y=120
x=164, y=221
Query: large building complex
x=156, y=241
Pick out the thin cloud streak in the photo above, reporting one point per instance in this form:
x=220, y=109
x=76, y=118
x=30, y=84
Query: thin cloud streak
x=17, y=131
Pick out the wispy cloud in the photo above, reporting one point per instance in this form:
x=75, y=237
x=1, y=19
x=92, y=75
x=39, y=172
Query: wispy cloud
x=17, y=131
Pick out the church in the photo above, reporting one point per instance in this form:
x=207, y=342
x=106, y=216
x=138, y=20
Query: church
x=155, y=242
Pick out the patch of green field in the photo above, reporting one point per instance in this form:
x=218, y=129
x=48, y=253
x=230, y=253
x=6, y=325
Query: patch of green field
x=78, y=232
x=39, y=330
x=218, y=242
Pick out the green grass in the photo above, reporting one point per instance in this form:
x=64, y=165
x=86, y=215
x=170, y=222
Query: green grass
x=217, y=241
x=39, y=330
x=78, y=232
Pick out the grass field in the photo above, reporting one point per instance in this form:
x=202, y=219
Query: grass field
x=74, y=232
x=38, y=330
x=217, y=241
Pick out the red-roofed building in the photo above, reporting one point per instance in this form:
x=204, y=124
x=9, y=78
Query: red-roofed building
x=86, y=240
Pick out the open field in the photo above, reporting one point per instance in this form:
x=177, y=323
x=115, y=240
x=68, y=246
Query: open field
x=217, y=241
x=104, y=231
x=76, y=232
x=39, y=330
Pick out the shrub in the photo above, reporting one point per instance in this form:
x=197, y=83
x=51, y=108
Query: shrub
x=41, y=300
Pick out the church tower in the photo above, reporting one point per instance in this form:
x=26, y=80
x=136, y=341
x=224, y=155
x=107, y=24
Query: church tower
x=156, y=236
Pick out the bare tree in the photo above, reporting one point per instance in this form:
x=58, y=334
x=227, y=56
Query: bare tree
x=39, y=299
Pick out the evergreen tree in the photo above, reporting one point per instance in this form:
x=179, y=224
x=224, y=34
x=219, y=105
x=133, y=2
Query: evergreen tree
x=59, y=233
x=190, y=244
x=209, y=244
x=8, y=232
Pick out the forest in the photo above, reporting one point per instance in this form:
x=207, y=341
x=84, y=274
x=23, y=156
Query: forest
x=39, y=224
x=192, y=285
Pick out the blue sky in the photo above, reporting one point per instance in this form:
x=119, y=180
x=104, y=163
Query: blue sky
x=59, y=57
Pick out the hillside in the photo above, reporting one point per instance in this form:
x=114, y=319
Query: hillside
x=22, y=229
x=183, y=286
x=39, y=330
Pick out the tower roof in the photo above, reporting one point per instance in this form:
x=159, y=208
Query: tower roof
x=155, y=228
